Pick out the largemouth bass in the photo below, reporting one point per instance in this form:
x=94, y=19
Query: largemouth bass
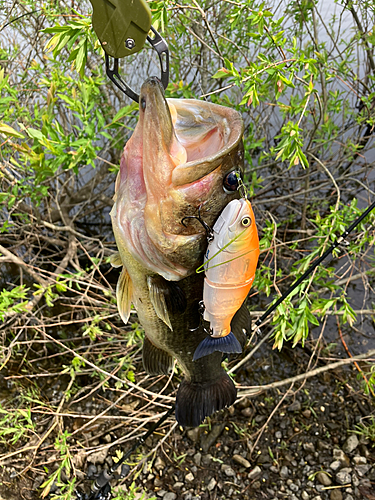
x=180, y=161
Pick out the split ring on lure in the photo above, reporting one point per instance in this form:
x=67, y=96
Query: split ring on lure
x=230, y=263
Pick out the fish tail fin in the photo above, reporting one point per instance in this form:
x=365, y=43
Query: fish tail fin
x=195, y=401
x=228, y=344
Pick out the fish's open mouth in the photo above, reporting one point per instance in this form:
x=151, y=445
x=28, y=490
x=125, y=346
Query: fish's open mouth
x=207, y=132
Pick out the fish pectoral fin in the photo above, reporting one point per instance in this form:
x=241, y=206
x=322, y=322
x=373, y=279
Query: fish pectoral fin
x=124, y=292
x=166, y=297
x=115, y=260
x=241, y=324
x=155, y=360
x=196, y=401
x=228, y=344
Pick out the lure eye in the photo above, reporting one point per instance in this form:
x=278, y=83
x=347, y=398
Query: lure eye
x=246, y=221
x=230, y=182
x=143, y=103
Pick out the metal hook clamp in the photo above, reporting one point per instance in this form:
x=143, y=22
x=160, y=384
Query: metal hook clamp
x=160, y=45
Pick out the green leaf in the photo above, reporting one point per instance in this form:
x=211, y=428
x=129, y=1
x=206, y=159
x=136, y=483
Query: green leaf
x=35, y=134
x=8, y=130
x=81, y=59
x=222, y=73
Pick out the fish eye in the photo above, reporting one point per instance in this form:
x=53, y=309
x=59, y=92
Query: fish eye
x=246, y=221
x=143, y=103
x=230, y=182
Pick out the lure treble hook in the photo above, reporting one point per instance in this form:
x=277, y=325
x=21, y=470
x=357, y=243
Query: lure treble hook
x=208, y=229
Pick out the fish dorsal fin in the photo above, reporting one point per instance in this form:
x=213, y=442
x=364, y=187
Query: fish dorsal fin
x=115, y=260
x=124, y=293
x=157, y=297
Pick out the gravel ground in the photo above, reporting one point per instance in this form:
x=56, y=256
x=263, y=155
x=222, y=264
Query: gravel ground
x=298, y=446
x=306, y=451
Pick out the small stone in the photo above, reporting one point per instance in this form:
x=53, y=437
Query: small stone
x=335, y=495
x=161, y=493
x=241, y=461
x=322, y=445
x=318, y=497
x=159, y=464
x=358, y=460
x=79, y=459
x=206, y=459
x=255, y=473
x=208, y=440
x=296, y=406
x=228, y=471
x=170, y=496
x=189, y=477
x=293, y=487
x=364, y=451
x=309, y=447
x=350, y=444
x=349, y=497
x=340, y=455
x=247, y=412
x=278, y=435
x=362, y=470
x=336, y=465
x=98, y=457
x=244, y=403
x=80, y=475
x=305, y=495
x=260, y=418
x=39, y=480
x=107, y=438
x=197, y=458
x=158, y=482
x=178, y=485
x=306, y=413
x=91, y=471
x=284, y=472
x=323, y=479
x=211, y=485
x=193, y=434
x=343, y=477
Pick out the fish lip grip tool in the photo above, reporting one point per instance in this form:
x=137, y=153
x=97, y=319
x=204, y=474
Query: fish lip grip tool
x=123, y=27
